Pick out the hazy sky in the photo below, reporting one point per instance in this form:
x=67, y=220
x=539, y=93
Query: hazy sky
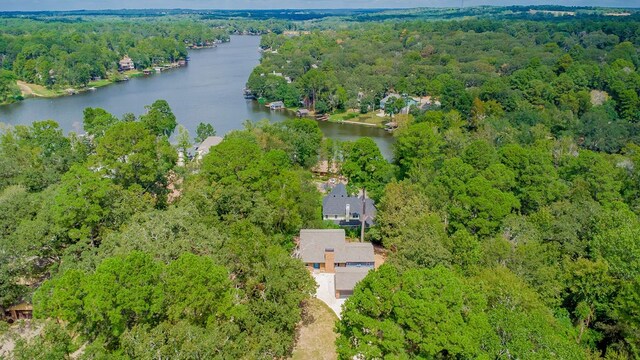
x=12, y=5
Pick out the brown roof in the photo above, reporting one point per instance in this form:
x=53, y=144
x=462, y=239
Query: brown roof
x=21, y=307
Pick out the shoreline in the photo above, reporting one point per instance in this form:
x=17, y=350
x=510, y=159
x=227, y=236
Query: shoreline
x=379, y=125
x=35, y=91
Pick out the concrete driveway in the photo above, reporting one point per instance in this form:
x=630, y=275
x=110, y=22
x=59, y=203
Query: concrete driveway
x=326, y=291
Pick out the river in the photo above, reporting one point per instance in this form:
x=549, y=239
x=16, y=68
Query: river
x=209, y=89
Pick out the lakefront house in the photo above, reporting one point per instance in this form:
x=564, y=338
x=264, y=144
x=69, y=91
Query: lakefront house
x=126, y=64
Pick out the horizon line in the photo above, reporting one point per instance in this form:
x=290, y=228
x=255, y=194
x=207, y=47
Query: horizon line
x=328, y=9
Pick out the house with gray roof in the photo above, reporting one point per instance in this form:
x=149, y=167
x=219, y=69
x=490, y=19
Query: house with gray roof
x=203, y=148
x=345, y=210
x=327, y=251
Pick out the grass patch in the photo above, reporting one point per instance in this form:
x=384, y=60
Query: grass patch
x=38, y=90
x=368, y=118
x=316, y=337
x=100, y=83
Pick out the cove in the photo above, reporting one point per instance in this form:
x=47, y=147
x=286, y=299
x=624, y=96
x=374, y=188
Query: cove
x=209, y=89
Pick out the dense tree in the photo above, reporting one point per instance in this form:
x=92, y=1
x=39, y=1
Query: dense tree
x=365, y=168
x=159, y=118
x=419, y=313
x=131, y=154
x=203, y=131
x=97, y=121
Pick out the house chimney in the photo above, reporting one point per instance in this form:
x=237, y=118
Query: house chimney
x=347, y=212
x=329, y=260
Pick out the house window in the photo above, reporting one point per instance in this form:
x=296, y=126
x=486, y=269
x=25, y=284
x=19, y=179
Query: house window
x=316, y=266
x=335, y=216
x=360, y=264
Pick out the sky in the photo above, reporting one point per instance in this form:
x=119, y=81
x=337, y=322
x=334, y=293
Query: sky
x=26, y=5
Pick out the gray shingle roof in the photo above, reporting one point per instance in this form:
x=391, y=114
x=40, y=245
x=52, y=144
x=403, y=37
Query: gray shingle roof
x=314, y=242
x=336, y=204
x=348, y=277
x=207, y=144
x=356, y=252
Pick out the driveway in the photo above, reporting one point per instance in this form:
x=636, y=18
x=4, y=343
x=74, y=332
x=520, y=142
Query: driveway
x=326, y=291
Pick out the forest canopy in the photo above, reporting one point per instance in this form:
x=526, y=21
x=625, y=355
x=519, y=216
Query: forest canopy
x=509, y=213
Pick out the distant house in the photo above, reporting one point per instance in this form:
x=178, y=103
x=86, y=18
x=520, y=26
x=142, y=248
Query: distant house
x=409, y=102
x=302, y=113
x=126, y=64
x=203, y=148
x=17, y=312
x=346, y=210
x=327, y=251
x=389, y=98
x=276, y=105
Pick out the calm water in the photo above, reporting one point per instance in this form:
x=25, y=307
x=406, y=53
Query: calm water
x=209, y=89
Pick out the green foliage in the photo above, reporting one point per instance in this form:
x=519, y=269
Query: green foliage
x=67, y=52
x=159, y=118
x=97, y=121
x=419, y=313
x=36, y=156
x=249, y=183
x=53, y=342
x=9, y=91
x=197, y=290
x=365, y=167
x=203, y=131
x=131, y=154
x=524, y=326
x=184, y=140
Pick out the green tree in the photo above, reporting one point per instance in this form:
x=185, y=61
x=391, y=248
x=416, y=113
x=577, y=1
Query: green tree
x=82, y=204
x=427, y=313
x=130, y=154
x=197, y=290
x=418, y=150
x=366, y=169
x=159, y=118
x=97, y=121
x=524, y=326
x=184, y=140
x=304, y=138
x=203, y=131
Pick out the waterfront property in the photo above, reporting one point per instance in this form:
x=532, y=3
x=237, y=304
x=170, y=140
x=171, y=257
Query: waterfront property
x=345, y=210
x=203, y=148
x=302, y=113
x=327, y=251
x=208, y=89
x=276, y=105
x=126, y=64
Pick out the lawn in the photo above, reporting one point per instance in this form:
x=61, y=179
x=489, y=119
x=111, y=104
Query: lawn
x=100, y=83
x=37, y=90
x=316, y=338
x=370, y=118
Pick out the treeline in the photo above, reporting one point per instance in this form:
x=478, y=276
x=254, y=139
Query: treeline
x=513, y=220
x=532, y=71
x=136, y=257
x=57, y=54
x=498, y=233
